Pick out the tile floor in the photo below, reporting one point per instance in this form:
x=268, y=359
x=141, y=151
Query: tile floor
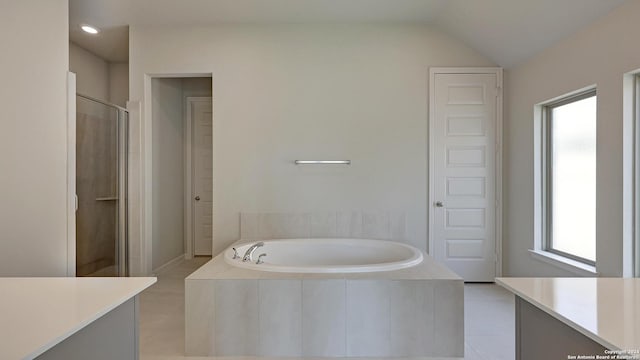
x=489, y=319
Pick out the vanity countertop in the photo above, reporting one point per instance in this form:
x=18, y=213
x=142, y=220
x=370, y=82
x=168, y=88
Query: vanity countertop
x=38, y=313
x=606, y=310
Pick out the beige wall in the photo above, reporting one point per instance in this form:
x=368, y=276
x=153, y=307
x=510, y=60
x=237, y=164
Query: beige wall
x=98, y=78
x=92, y=73
x=197, y=86
x=33, y=138
x=287, y=92
x=168, y=171
x=599, y=54
x=119, y=83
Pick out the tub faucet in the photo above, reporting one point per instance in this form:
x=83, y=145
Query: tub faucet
x=249, y=254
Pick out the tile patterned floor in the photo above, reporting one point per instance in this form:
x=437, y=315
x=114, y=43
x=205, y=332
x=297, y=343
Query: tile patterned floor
x=489, y=319
x=489, y=322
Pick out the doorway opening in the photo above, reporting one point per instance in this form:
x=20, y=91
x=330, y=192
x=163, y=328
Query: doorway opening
x=182, y=169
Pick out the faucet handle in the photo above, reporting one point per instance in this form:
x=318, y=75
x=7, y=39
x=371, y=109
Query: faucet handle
x=248, y=255
x=235, y=254
x=260, y=259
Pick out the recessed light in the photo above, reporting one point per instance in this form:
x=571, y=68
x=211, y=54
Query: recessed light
x=89, y=29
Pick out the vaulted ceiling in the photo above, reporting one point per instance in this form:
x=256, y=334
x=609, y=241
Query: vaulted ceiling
x=506, y=31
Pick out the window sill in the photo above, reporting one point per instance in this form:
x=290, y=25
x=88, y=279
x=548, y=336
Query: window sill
x=564, y=263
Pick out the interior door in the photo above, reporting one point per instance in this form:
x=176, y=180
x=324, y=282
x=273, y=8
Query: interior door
x=463, y=164
x=202, y=174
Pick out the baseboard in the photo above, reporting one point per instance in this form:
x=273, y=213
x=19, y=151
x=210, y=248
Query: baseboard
x=169, y=264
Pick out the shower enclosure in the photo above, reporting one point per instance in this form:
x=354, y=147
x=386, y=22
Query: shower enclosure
x=101, y=188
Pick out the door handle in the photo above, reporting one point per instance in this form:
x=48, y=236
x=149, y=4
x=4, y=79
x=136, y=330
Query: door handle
x=197, y=198
x=439, y=204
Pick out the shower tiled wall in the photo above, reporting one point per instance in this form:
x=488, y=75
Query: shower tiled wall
x=97, y=189
x=347, y=224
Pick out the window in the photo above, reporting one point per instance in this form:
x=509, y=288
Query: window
x=570, y=177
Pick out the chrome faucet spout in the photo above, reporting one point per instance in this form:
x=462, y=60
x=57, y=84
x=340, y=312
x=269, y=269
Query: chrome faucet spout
x=248, y=255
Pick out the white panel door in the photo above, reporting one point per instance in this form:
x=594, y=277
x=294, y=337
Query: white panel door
x=463, y=196
x=202, y=160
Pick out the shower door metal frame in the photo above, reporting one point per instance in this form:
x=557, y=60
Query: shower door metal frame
x=72, y=200
x=123, y=189
x=122, y=223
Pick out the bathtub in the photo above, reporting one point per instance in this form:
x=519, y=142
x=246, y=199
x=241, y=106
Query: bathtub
x=324, y=298
x=324, y=256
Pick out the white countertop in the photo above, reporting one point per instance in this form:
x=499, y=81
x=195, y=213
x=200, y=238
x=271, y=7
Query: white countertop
x=38, y=313
x=607, y=310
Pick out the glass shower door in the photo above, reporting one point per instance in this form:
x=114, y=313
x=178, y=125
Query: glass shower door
x=101, y=187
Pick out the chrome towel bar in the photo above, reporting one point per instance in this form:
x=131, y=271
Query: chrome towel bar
x=320, y=162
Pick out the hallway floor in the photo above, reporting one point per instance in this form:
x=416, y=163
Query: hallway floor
x=489, y=319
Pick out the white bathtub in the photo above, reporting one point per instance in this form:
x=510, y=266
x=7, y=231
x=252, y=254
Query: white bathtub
x=326, y=256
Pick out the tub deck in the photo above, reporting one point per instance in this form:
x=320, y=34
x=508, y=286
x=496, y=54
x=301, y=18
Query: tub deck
x=219, y=269
x=412, y=312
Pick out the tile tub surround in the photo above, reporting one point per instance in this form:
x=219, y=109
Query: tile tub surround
x=380, y=225
x=417, y=311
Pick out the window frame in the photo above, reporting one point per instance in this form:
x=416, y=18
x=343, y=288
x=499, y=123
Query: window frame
x=635, y=246
x=547, y=173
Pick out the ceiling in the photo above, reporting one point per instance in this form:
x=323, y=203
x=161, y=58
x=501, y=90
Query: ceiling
x=506, y=31
x=111, y=44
